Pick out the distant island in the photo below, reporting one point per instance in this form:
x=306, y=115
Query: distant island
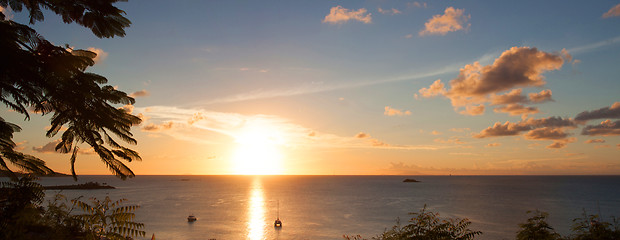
x=410, y=180
x=84, y=186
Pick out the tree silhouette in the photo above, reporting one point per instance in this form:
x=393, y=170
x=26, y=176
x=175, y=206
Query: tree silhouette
x=427, y=225
x=537, y=227
x=37, y=76
x=109, y=220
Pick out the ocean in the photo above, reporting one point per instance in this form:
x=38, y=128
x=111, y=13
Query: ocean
x=328, y=207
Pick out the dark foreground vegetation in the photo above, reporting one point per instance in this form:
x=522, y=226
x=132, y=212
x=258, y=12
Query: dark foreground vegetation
x=426, y=225
x=23, y=215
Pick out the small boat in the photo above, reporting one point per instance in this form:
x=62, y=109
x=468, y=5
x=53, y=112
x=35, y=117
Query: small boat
x=278, y=222
x=191, y=218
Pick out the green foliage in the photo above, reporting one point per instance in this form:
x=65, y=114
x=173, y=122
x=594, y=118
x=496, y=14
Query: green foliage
x=427, y=225
x=537, y=228
x=23, y=218
x=20, y=207
x=38, y=76
x=590, y=227
x=109, y=220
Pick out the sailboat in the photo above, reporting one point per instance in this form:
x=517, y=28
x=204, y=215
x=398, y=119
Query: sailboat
x=278, y=222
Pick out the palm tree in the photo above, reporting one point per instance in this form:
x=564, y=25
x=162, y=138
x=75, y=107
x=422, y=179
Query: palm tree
x=25, y=162
x=38, y=76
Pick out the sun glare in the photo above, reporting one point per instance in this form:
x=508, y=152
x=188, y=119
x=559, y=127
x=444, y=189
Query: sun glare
x=258, y=152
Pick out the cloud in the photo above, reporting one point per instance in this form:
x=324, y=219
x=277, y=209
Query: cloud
x=453, y=140
x=409, y=36
x=339, y=14
x=498, y=129
x=542, y=96
x=436, y=132
x=20, y=145
x=362, y=135
x=127, y=108
x=395, y=112
x=546, y=133
x=377, y=143
x=209, y=125
x=595, y=141
x=513, y=129
x=392, y=11
x=561, y=143
x=606, y=128
x=606, y=112
x=151, y=127
x=452, y=20
x=518, y=66
x=473, y=110
x=515, y=67
x=516, y=109
x=460, y=129
x=141, y=93
x=494, y=144
x=435, y=89
x=51, y=148
x=514, y=96
x=47, y=148
x=613, y=12
x=101, y=55
x=305, y=89
x=8, y=14
x=195, y=118
x=417, y=5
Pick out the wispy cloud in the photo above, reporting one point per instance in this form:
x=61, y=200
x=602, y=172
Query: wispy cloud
x=416, y=75
x=192, y=124
x=322, y=87
x=594, y=46
x=417, y=4
x=392, y=11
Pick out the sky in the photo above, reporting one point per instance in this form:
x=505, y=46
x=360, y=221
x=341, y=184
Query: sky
x=357, y=87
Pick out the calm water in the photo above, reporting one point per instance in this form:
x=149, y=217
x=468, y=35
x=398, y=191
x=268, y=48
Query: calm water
x=327, y=207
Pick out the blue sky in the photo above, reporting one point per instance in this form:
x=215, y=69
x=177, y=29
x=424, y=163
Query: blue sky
x=340, y=94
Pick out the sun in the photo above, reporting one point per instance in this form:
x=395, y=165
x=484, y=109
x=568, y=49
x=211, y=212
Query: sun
x=258, y=152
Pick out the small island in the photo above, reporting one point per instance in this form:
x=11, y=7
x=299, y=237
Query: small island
x=410, y=180
x=84, y=186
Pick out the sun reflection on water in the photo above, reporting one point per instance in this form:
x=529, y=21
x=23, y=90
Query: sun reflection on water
x=256, y=210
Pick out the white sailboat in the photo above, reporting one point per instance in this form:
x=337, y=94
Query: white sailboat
x=278, y=222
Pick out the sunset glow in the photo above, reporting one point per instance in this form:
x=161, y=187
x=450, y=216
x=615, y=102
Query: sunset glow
x=258, y=152
x=356, y=88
